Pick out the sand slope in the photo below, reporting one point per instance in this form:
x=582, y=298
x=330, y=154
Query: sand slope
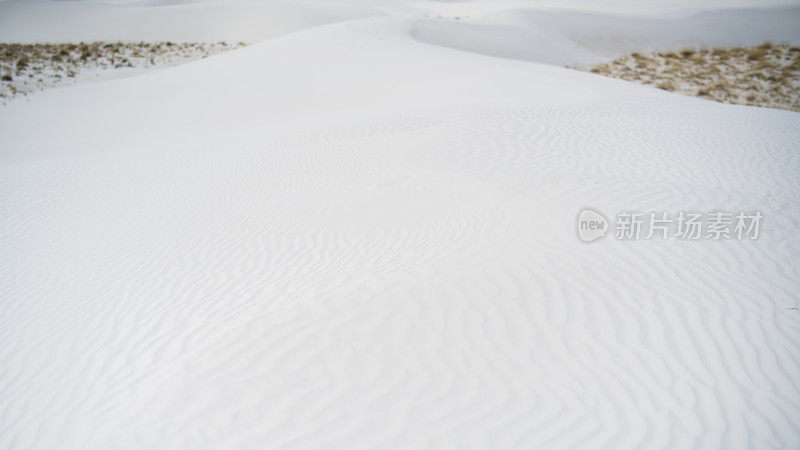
x=580, y=38
x=348, y=238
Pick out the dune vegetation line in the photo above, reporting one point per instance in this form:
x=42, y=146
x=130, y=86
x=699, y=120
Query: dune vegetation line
x=26, y=68
x=765, y=75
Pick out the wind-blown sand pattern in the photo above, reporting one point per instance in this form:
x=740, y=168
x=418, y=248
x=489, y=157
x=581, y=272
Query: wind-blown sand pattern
x=351, y=237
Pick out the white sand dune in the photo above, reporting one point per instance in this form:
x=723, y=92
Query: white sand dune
x=72, y=21
x=347, y=237
x=581, y=38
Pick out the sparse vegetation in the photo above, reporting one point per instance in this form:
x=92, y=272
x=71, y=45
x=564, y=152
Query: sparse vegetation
x=666, y=85
x=756, y=54
x=766, y=75
x=30, y=67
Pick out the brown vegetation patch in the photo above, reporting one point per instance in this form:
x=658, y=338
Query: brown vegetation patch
x=29, y=67
x=766, y=75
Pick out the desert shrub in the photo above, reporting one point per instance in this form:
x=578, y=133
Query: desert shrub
x=666, y=85
x=756, y=54
x=25, y=67
x=765, y=75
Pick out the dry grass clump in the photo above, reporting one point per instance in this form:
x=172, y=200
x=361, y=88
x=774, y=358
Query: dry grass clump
x=28, y=67
x=766, y=75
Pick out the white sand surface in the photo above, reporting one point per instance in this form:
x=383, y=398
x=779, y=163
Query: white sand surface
x=362, y=235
